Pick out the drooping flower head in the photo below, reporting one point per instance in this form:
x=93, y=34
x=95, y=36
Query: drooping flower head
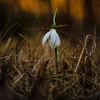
x=52, y=35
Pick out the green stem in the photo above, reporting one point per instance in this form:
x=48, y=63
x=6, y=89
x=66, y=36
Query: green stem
x=56, y=60
x=54, y=23
x=54, y=17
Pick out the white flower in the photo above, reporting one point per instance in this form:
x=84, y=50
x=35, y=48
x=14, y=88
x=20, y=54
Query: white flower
x=53, y=38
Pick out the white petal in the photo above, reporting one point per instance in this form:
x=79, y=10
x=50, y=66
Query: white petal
x=50, y=43
x=57, y=43
x=55, y=38
x=46, y=36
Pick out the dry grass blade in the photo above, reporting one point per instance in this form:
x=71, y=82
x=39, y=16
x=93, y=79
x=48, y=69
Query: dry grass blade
x=19, y=78
x=82, y=52
x=30, y=43
x=38, y=41
x=61, y=25
x=89, y=54
x=9, y=56
x=37, y=64
x=44, y=23
x=70, y=66
x=8, y=30
x=17, y=70
x=70, y=86
x=94, y=43
x=5, y=26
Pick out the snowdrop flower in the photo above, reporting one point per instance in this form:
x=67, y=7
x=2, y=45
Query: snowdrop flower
x=53, y=38
x=52, y=35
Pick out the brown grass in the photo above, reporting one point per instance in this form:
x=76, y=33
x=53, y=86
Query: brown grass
x=28, y=72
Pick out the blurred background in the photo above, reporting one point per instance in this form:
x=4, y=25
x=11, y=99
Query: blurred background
x=81, y=15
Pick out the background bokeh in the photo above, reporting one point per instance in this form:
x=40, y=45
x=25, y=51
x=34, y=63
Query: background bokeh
x=81, y=15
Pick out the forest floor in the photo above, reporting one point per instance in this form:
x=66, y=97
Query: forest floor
x=28, y=71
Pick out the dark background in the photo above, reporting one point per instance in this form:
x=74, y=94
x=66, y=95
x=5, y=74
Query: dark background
x=81, y=15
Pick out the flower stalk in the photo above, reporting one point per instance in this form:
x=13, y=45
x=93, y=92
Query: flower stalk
x=54, y=27
x=54, y=17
